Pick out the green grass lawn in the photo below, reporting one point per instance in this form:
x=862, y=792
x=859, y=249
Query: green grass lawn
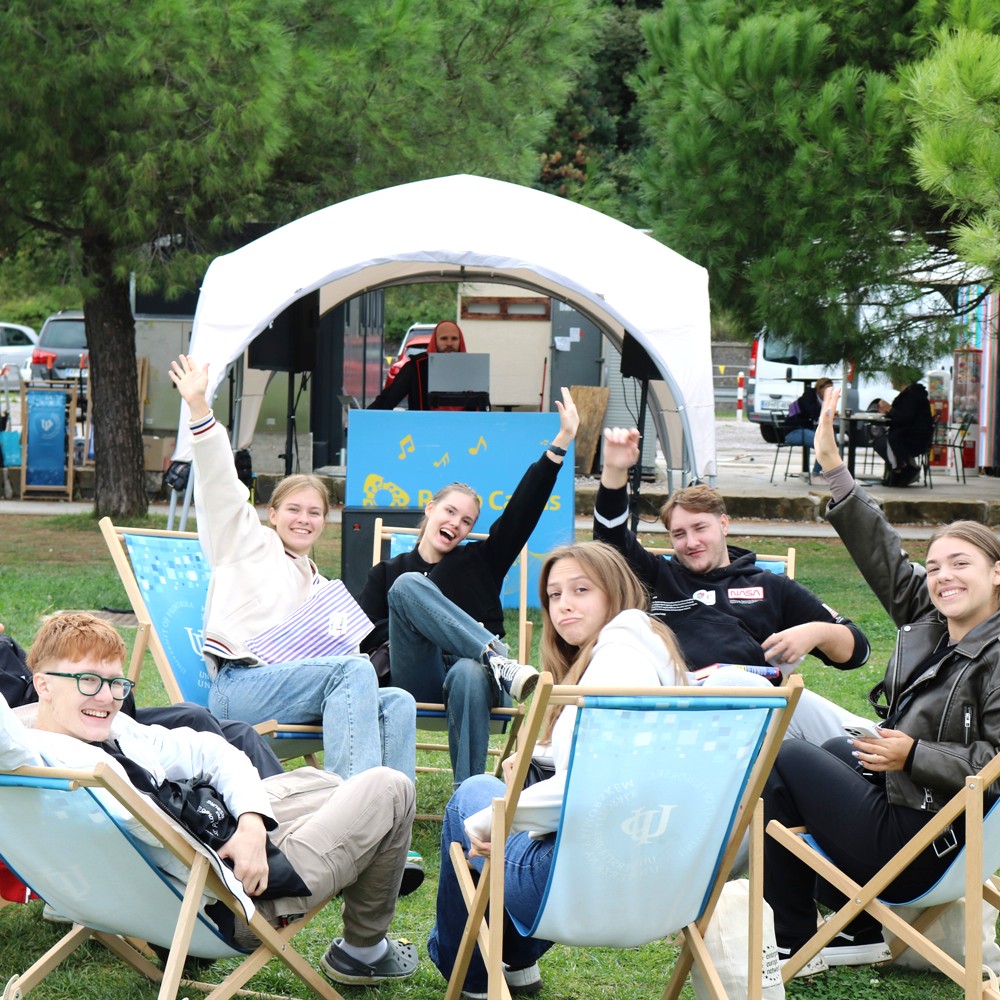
x=61, y=563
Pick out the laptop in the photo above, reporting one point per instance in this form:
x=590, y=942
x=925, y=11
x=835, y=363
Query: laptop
x=458, y=372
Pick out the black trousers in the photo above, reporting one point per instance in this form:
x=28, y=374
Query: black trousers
x=852, y=820
x=241, y=735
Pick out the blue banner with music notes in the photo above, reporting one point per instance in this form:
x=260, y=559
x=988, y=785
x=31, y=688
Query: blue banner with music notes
x=400, y=459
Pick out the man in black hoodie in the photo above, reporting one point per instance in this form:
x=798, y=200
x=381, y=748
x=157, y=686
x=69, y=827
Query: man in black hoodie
x=720, y=604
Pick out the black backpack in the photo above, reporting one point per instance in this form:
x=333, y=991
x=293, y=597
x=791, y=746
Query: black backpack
x=15, y=677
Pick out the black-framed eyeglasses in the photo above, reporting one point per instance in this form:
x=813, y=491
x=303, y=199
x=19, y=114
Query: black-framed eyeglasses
x=90, y=684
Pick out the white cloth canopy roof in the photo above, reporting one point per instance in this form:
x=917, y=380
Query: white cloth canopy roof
x=467, y=228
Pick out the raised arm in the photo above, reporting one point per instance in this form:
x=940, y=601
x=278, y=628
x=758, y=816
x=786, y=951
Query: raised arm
x=513, y=527
x=621, y=452
x=191, y=380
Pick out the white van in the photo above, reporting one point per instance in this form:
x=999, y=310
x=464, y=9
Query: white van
x=777, y=367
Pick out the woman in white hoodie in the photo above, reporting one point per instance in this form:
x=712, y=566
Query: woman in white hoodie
x=260, y=576
x=595, y=631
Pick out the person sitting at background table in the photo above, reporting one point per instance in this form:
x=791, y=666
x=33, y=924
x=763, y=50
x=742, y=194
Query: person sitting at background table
x=911, y=428
x=803, y=415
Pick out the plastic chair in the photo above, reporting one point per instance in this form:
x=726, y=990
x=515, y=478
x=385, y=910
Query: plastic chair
x=661, y=787
x=968, y=875
x=925, y=457
x=778, y=424
x=93, y=868
x=432, y=716
x=956, y=444
x=166, y=576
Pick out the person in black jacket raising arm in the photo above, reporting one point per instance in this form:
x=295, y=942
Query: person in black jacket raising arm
x=439, y=605
x=722, y=607
x=862, y=799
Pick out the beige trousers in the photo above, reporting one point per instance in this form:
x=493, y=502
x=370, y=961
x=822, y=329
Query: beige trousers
x=344, y=837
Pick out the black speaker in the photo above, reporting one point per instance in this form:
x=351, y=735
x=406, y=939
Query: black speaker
x=289, y=343
x=636, y=362
x=358, y=537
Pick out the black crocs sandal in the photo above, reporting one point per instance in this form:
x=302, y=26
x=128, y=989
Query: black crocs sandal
x=399, y=961
x=413, y=874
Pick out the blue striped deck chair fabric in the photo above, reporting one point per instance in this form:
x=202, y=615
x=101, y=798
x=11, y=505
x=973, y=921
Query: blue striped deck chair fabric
x=783, y=565
x=58, y=836
x=432, y=716
x=661, y=787
x=970, y=874
x=166, y=577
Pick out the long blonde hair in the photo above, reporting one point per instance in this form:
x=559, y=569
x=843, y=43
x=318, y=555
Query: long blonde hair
x=607, y=569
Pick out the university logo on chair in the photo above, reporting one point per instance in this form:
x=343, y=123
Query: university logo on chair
x=330, y=623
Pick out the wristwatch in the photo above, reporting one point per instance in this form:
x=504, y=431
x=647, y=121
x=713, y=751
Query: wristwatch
x=556, y=450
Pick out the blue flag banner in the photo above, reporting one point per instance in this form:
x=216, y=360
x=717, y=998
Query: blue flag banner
x=46, y=457
x=400, y=459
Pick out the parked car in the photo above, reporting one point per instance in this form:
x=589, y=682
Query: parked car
x=16, y=345
x=415, y=341
x=61, y=353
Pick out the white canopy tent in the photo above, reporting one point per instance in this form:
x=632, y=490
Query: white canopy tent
x=467, y=228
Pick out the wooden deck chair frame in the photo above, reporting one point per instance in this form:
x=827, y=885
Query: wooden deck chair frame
x=287, y=740
x=785, y=563
x=487, y=894
x=432, y=715
x=88, y=829
x=970, y=874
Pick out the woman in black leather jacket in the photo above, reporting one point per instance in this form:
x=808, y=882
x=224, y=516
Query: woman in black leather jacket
x=863, y=799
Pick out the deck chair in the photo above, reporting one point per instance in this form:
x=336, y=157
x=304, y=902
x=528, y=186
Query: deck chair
x=969, y=875
x=166, y=575
x=662, y=785
x=58, y=836
x=780, y=564
x=432, y=716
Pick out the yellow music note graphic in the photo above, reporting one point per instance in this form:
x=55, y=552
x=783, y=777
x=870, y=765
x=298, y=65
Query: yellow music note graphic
x=481, y=443
x=405, y=445
x=444, y=460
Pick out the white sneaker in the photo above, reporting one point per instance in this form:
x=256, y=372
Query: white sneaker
x=813, y=967
x=843, y=951
x=523, y=982
x=517, y=679
x=520, y=982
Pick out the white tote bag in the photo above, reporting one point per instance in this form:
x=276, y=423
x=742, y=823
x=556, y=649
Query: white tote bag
x=727, y=942
x=948, y=933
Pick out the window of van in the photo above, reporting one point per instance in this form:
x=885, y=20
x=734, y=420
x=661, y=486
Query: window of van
x=782, y=350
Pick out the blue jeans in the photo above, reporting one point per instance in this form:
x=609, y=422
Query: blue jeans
x=525, y=874
x=436, y=651
x=363, y=726
x=800, y=435
x=803, y=436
